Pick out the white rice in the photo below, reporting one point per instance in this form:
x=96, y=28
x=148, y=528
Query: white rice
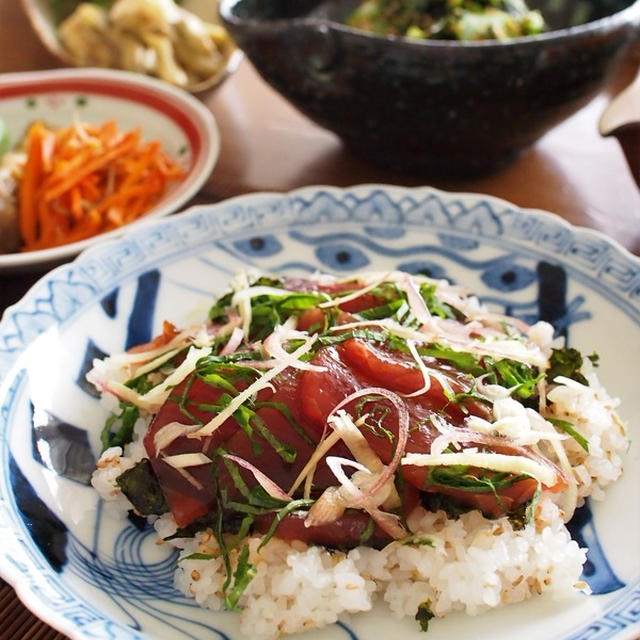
x=592, y=412
x=474, y=564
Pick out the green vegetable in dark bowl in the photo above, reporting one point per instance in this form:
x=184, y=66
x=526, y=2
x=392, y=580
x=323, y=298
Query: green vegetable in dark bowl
x=433, y=107
x=448, y=19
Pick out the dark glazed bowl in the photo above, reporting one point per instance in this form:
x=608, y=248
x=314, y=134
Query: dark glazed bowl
x=433, y=107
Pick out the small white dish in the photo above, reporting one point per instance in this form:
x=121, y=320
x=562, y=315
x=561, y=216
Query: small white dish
x=185, y=127
x=96, y=578
x=41, y=17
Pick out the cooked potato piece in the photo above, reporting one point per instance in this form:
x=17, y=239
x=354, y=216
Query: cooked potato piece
x=144, y=15
x=192, y=32
x=218, y=34
x=134, y=56
x=198, y=65
x=166, y=66
x=196, y=61
x=85, y=35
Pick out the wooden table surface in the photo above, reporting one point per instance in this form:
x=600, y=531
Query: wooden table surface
x=267, y=145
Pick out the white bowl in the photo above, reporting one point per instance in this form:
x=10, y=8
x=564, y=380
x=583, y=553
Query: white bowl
x=42, y=20
x=95, y=578
x=185, y=127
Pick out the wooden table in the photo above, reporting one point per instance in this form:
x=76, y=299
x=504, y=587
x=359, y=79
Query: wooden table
x=267, y=145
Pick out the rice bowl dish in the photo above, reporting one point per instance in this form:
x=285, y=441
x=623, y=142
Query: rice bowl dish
x=457, y=553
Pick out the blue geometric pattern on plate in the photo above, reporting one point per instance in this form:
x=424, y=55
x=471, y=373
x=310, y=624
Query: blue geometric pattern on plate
x=46, y=529
x=527, y=264
x=61, y=447
x=596, y=571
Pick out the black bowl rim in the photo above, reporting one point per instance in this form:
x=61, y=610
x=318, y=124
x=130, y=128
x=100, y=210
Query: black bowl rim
x=628, y=16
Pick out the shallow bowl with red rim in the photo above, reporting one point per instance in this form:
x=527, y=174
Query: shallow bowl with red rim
x=185, y=127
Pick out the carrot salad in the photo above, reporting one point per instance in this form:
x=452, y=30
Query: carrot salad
x=82, y=180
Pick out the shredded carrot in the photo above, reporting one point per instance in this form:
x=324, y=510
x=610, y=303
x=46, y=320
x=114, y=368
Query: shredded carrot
x=83, y=180
x=31, y=178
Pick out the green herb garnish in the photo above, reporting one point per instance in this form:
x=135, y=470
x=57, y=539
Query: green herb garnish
x=270, y=310
x=118, y=428
x=367, y=532
x=198, y=556
x=521, y=378
x=521, y=516
x=566, y=362
x=459, y=477
x=567, y=427
x=242, y=576
x=419, y=542
x=424, y=614
x=466, y=362
x=375, y=416
x=294, y=505
x=286, y=412
x=435, y=305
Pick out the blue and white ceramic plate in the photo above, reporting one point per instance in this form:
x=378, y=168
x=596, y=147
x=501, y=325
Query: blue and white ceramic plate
x=94, y=578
